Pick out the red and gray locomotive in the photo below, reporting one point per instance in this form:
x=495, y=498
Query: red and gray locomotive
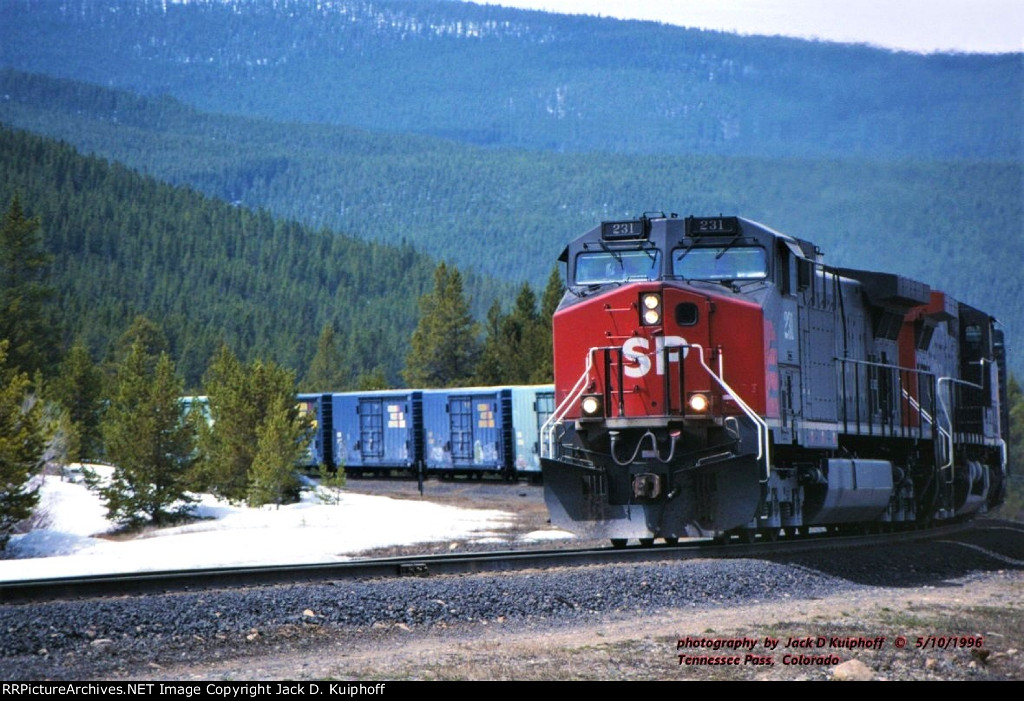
x=715, y=377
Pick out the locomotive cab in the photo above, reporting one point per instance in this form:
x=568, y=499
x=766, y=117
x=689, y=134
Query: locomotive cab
x=662, y=383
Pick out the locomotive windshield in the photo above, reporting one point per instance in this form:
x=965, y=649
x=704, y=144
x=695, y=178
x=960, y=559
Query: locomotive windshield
x=617, y=266
x=720, y=263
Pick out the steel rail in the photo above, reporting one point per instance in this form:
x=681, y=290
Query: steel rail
x=170, y=581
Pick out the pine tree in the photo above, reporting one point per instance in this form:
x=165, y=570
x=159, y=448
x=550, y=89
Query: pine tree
x=517, y=347
x=23, y=265
x=327, y=371
x=146, y=333
x=79, y=389
x=553, y=293
x=554, y=290
x=444, y=349
x=241, y=401
x=523, y=333
x=22, y=444
x=148, y=440
x=227, y=446
x=490, y=369
x=272, y=473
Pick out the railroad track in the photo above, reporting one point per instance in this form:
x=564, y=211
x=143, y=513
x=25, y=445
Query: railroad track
x=141, y=583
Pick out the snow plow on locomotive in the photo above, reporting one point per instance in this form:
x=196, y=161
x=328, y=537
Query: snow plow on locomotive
x=715, y=377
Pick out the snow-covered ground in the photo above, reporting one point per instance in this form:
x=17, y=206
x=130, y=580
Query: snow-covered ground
x=75, y=538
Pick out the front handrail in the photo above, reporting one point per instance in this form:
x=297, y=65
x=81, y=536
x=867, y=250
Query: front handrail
x=547, y=430
x=763, y=434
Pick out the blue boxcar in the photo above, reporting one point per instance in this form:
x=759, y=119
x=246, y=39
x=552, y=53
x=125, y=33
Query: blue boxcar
x=377, y=431
x=531, y=407
x=460, y=431
x=468, y=430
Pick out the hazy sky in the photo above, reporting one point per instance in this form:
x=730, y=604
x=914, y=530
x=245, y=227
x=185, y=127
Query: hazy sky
x=987, y=26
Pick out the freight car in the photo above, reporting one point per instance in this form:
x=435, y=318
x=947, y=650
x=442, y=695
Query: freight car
x=715, y=377
x=473, y=431
x=377, y=432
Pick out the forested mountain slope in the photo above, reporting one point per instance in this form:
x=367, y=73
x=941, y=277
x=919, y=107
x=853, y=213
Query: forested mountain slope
x=207, y=272
x=889, y=161
x=504, y=77
x=957, y=225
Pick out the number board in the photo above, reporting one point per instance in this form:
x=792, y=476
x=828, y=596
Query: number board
x=613, y=230
x=712, y=226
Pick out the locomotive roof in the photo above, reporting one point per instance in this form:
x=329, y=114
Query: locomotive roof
x=671, y=228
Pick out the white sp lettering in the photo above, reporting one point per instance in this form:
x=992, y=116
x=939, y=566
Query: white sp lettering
x=637, y=361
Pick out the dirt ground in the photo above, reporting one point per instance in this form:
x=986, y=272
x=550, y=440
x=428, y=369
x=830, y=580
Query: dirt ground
x=984, y=612
x=645, y=645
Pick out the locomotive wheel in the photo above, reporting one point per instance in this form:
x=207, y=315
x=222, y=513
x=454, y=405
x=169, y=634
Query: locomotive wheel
x=647, y=542
x=671, y=540
x=618, y=542
x=769, y=535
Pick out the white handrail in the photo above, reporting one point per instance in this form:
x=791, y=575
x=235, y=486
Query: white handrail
x=547, y=430
x=763, y=443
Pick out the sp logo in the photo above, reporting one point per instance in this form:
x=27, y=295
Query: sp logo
x=637, y=359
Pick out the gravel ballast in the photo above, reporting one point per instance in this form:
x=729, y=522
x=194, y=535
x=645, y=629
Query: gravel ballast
x=331, y=630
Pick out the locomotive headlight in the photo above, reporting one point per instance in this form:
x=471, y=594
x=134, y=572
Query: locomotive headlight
x=698, y=403
x=650, y=305
x=592, y=405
